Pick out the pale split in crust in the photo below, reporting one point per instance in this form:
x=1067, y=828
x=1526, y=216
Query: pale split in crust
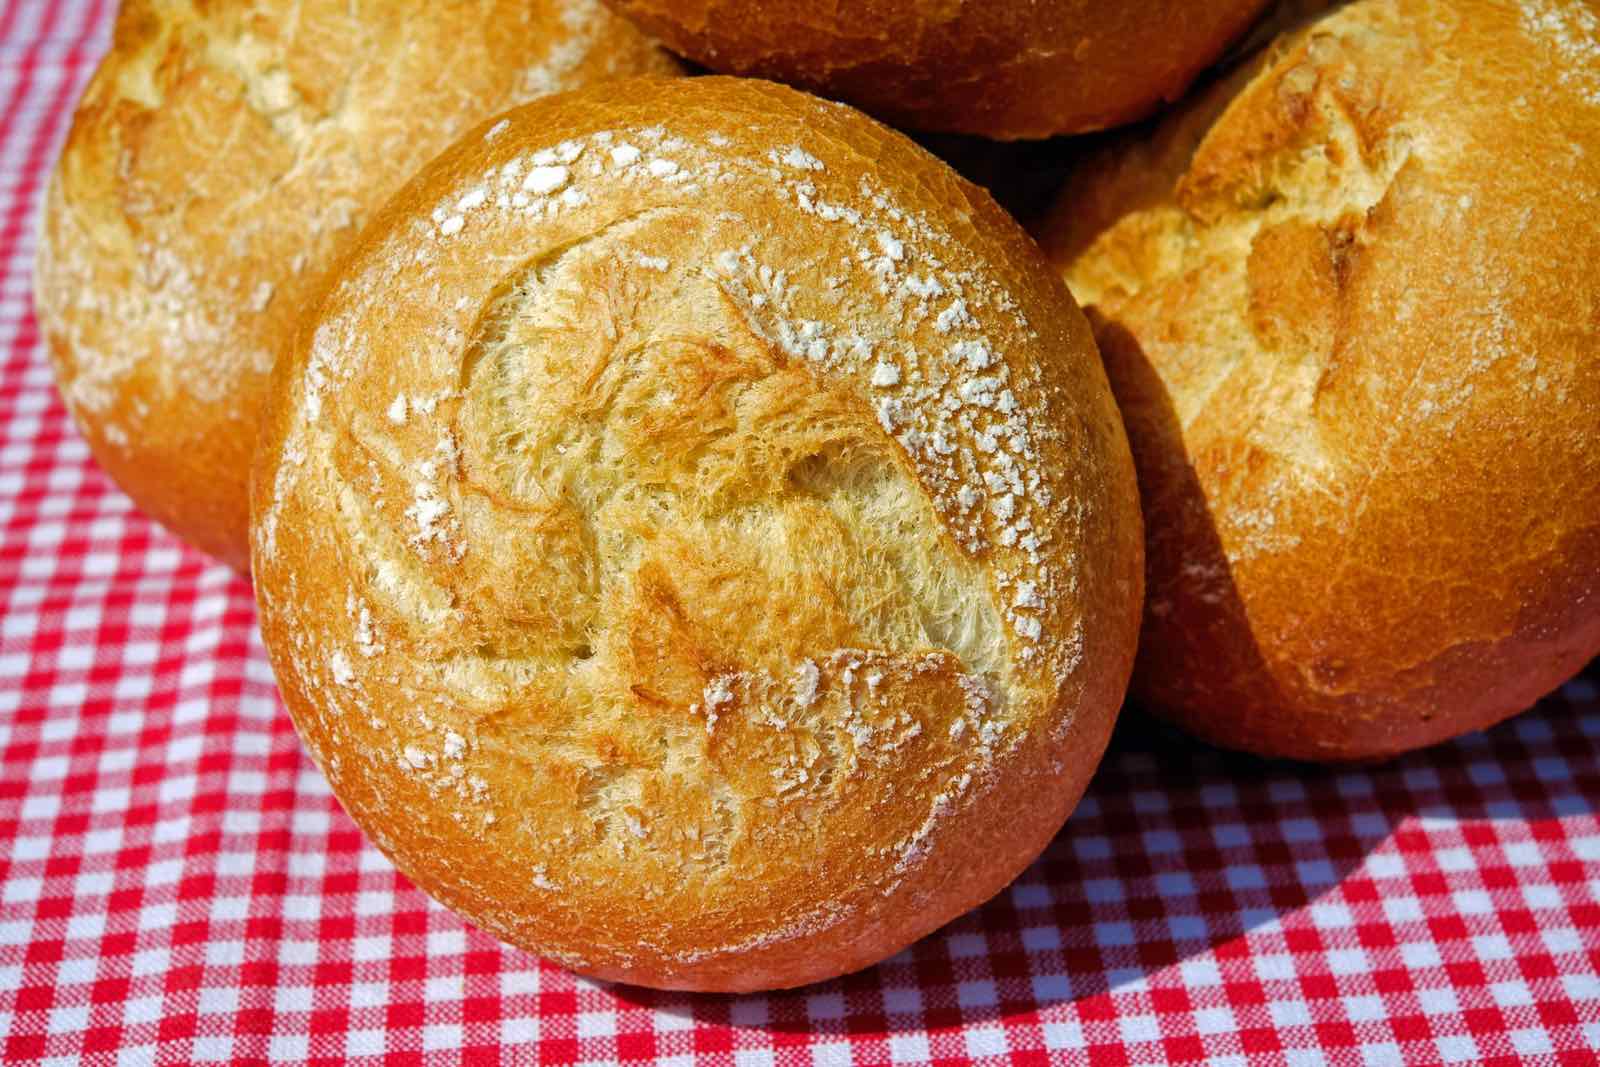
x=695, y=536
x=220, y=158
x=1347, y=299
x=1004, y=69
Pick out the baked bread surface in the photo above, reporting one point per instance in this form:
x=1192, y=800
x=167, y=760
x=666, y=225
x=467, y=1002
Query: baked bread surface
x=695, y=537
x=220, y=157
x=1349, y=300
x=1005, y=69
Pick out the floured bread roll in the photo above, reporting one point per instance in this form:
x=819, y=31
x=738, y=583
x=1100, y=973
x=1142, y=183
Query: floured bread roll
x=1350, y=303
x=695, y=537
x=1004, y=69
x=220, y=158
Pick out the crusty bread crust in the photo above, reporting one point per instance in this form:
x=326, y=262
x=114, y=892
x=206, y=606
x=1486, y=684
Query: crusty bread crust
x=1348, y=301
x=221, y=156
x=1005, y=69
x=695, y=536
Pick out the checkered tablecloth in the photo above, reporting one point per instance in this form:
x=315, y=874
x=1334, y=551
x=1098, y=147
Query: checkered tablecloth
x=177, y=885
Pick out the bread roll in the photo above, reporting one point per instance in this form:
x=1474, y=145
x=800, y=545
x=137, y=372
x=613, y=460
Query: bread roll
x=695, y=536
x=1350, y=303
x=1005, y=69
x=220, y=158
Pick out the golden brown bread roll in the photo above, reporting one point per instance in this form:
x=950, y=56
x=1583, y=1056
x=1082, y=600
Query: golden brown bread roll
x=695, y=536
x=1350, y=303
x=1005, y=69
x=220, y=158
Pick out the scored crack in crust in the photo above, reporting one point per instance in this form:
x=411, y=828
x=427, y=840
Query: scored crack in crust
x=696, y=539
x=220, y=157
x=1347, y=299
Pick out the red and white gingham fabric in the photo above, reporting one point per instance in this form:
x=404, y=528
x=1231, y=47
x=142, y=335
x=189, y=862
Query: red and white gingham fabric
x=177, y=885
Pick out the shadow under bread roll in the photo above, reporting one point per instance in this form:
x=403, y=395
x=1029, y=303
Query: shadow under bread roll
x=1349, y=300
x=220, y=159
x=695, y=537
